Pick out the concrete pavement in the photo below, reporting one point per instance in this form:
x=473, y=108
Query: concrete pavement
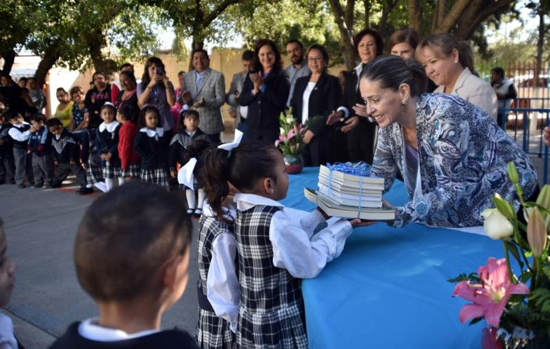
x=41, y=225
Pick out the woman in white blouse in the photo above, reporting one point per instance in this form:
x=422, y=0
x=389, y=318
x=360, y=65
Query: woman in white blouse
x=316, y=95
x=449, y=63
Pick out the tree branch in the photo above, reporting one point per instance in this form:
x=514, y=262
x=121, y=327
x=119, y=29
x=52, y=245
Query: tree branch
x=415, y=19
x=466, y=29
x=453, y=16
x=218, y=11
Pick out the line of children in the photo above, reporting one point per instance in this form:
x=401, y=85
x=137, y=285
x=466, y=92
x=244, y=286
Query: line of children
x=273, y=253
x=107, y=146
x=41, y=149
x=188, y=133
x=67, y=156
x=131, y=255
x=151, y=144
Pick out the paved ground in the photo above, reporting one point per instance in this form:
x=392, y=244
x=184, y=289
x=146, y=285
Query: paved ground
x=41, y=226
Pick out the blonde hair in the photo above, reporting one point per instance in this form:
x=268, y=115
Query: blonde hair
x=443, y=46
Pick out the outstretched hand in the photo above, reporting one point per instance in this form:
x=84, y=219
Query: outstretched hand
x=351, y=123
x=334, y=117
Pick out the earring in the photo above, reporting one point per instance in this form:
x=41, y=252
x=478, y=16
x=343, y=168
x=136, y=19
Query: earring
x=404, y=103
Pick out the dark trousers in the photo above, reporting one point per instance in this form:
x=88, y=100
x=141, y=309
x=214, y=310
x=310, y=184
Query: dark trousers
x=20, y=159
x=7, y=169
x=43, y=168
x=214, y=138
x=83, y=138
x=63, y=170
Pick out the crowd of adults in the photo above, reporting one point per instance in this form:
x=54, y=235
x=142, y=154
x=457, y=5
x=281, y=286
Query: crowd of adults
x=338, y=125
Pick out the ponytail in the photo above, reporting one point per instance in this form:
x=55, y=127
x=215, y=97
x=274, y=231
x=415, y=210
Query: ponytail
x=216, y=180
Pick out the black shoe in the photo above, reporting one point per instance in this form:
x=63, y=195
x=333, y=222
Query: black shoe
x=84, y=191
x=38, y=185
x=21, y=185
x=2, y=182
x=11, y=181
x=55, y=185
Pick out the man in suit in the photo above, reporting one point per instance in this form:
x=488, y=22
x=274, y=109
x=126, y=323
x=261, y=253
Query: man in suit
x=298, y=68
x=206, y=93
x=235, y=110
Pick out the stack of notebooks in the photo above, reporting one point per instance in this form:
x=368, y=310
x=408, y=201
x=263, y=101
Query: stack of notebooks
x=350, y=196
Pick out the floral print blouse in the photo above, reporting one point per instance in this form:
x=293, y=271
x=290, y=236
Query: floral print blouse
x=462, y=159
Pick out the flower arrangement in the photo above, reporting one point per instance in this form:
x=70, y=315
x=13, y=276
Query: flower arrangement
x=290, y=135
x=515, y=306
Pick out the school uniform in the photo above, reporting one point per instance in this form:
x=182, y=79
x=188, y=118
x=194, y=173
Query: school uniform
x=130, y=162
x=152, y=147
x=88, y=335
x=178, y=150
x=274, y=254
x=67, y=150
x=42, y=157
x=20, y=135
x=94, y=170
x=107, y=137
x=7, y=164
x=218, y=285
x=7, y=338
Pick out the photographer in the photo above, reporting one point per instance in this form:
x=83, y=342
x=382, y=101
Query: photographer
x=156, y=90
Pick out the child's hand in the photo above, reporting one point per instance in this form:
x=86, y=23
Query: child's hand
x=108, y=156
x=56, y=163
x=361, y=223
x=103, y=156
x=84, y=166
x=173, y=174
x=72, y=163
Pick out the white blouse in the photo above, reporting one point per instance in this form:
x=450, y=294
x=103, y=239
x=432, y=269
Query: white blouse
x=222, y=284
x=295, y=247
x=7, y=338
x=305, y=101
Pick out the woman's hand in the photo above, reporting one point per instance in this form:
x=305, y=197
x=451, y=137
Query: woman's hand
x=186, y=96
x=257, y=79
x=334, y=117
x=361, y=110
x=361, y=223
x=308, y=136
x=351, y=123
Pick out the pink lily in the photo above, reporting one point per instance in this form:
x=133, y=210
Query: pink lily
x=490, y=297
x=291, y=134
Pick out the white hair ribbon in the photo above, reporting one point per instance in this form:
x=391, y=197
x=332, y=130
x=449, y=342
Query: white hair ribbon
x=185, y=174
x=234, y=144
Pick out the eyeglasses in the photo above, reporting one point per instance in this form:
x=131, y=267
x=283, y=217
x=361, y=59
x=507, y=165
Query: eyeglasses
x=315, y=59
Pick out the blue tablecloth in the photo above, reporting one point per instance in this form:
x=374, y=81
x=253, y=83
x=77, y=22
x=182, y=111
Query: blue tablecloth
x=389, y=287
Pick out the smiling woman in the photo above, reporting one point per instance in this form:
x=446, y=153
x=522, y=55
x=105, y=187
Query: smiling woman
x=452, y=155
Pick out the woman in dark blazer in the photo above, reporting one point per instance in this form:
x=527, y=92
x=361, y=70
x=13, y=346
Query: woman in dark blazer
x=322, y=93
x=265, y=92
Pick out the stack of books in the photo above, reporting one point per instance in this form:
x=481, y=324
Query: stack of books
x=350, y=196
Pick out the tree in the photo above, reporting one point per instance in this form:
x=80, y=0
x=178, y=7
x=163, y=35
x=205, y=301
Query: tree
x=540, y=9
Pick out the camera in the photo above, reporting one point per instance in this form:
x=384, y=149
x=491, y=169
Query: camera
x=159, y=71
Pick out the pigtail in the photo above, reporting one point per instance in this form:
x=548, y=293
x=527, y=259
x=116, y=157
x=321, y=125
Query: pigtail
x=216, y=176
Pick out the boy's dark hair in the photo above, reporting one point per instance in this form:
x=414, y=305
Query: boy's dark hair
x=125, y=237
x=190, y=113
x=11, y=114
x=248, y=55
x=245, y=164
x=498, y=70
x=39, y=118
x=144, y=112
x=129, y=113
x=75, y=90
x=53, y=122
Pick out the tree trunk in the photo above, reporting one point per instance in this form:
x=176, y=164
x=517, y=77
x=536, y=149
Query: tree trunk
x=96, y=41
x=475, y=14
x=9, y=59
x=346, y=34
x=51, y=55
x=366, y=3
x=383, y=28
x=540, y=44
x=415, y=16
x=454, y=15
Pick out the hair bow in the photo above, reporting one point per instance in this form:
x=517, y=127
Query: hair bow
x=185, y=174
x=232, y=145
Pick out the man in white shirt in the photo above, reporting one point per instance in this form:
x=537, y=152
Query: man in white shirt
x=298, y=68
x=236, y=111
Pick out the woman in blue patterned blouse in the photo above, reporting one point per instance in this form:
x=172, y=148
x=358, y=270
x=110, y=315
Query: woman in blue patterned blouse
x=452, y=155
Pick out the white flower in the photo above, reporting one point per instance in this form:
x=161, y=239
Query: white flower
x=289, y=119
x=496, y=225
x=282, y=131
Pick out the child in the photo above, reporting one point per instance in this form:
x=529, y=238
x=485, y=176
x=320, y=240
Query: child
x=107, y=138
x=273, y=253
x=129, y=160
x=20, y=134
x=79, y=113
x=151, y=144
x=187, y=134
x=131, y=255
x=7, y=165
x=7, y=282
x=67, y=157
x=218, y=286
x=40, y=145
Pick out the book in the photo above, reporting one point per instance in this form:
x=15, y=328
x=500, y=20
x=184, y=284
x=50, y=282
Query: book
x=332, y=208
x=350, y=185
x=351, y=200
x=346, y=177
x=366, y=189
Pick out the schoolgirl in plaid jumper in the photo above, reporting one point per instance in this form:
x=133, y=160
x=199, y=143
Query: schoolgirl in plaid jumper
x=130, y=162
x=273, y=252
x=151, y=144
x=218, y=285
x=107, y=139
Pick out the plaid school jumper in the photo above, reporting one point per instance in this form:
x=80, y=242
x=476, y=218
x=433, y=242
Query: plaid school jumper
x=212, y=331
x=271, y=310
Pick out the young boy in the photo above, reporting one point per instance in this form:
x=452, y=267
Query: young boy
x=40, y=146
x=188, y=133
x=20, y=134
x=7, y=165
x=7, y=282
x=131, y=255
x=67, y=156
